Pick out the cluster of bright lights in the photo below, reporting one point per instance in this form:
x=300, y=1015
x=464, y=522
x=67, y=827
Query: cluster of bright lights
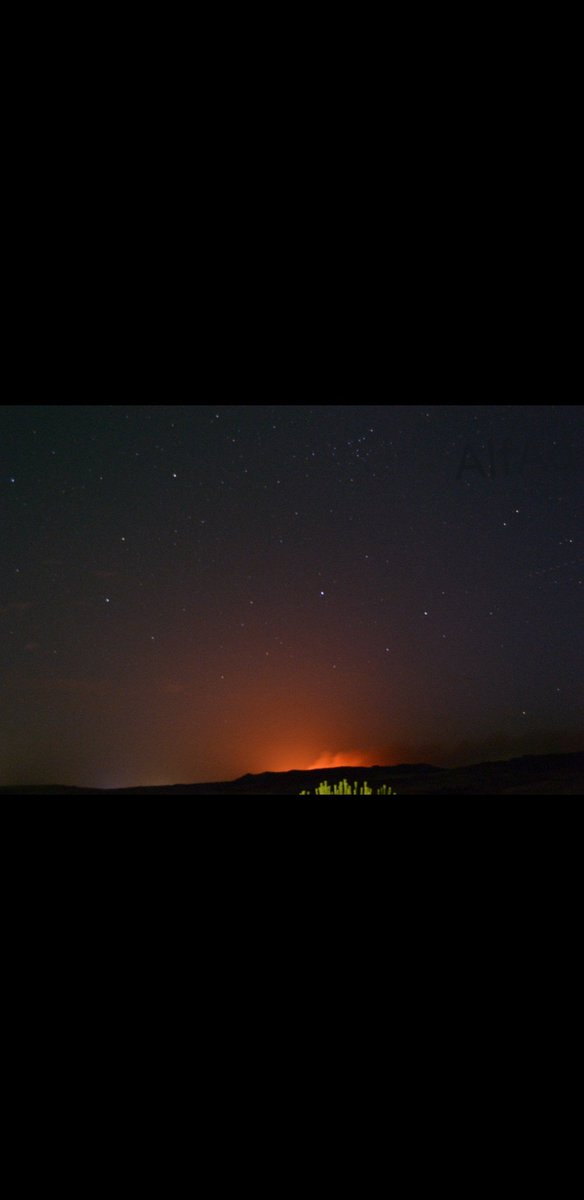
x=344, y=788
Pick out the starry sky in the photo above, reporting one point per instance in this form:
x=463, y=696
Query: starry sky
x=193, y=592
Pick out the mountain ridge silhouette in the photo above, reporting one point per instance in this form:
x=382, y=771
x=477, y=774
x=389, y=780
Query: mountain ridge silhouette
x=545, y=774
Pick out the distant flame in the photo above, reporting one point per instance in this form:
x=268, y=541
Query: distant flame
x=344, y=758
x=298, y=760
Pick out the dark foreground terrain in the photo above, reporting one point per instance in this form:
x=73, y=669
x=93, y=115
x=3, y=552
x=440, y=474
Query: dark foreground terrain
x=534, y=775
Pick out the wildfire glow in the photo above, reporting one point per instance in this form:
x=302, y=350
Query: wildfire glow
x=344, y=758
x=298, y=758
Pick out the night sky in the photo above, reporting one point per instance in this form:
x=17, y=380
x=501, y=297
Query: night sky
x=193, y=592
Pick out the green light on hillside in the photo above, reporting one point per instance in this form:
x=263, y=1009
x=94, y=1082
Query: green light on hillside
x=344, y=788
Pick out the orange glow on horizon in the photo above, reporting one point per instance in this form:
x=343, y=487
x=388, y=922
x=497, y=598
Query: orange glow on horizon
x=305, y=761
x=344, y=758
